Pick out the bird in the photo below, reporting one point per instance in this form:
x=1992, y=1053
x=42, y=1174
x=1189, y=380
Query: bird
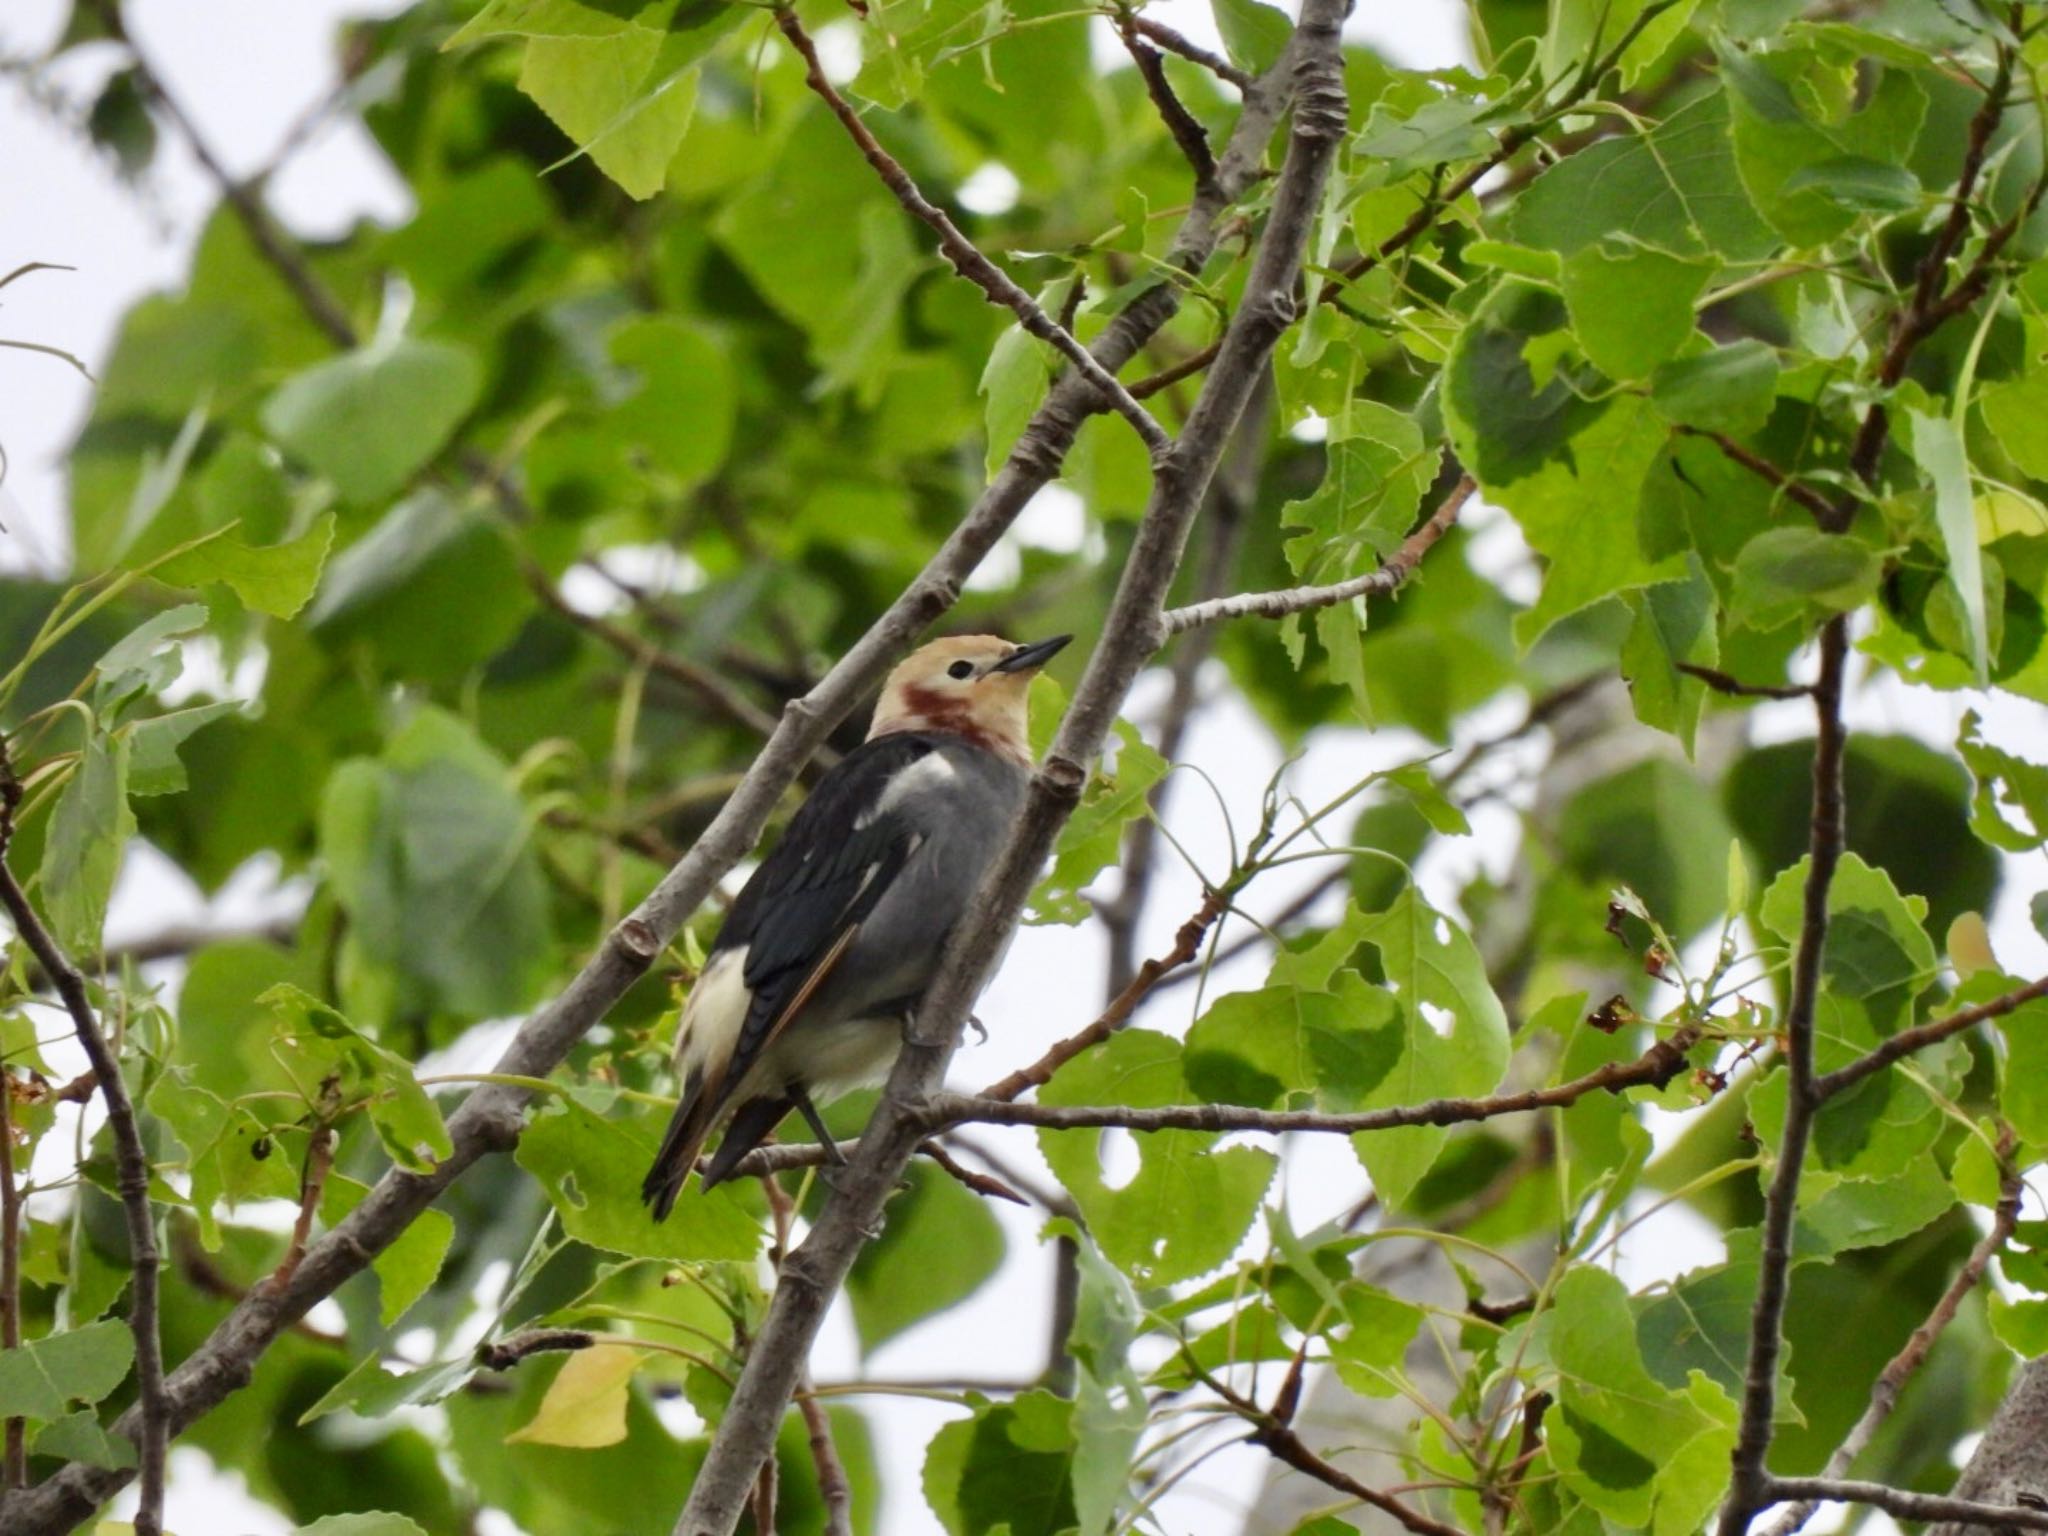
x=831, y=943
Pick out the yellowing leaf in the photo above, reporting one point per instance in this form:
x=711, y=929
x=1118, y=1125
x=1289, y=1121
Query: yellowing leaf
x=585, y=1405
x=1969, y=946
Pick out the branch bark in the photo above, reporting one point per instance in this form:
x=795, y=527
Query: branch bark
x=1967, y=1514
x=2010, y=1465
x=151, y=1430
x=489, y=1120
x=1918, y=1038
x=1277, y=605
x=1133, y=630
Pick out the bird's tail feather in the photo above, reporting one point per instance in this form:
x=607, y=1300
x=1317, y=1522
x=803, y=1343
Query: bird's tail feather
x=751, y=1126
x=687, y=1129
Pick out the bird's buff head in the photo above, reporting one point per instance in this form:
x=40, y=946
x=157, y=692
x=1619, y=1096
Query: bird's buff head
x=973, y=686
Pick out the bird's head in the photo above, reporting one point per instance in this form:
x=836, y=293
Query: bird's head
x=968, y=685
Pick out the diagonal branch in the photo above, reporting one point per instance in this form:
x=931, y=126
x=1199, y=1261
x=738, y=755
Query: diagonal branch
x=1277, y=605
x=966, y=257
x=152, y=1429
x=1173, y=42
x=1791, y=485
x=1192, y=138
x=1918, y=1038
x=489, y=1120
x=1132, y=632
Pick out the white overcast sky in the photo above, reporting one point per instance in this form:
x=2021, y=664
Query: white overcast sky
x=245, y=69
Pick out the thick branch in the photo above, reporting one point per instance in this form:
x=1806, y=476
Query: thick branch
x=1918, y=1038
x=1276, y=605
x=1132, y=632
x=965, y=256
x=152, y=1430
x=489, y=1120
x=1891, y=1381
x=1654, y=1068
x=2010, y=1464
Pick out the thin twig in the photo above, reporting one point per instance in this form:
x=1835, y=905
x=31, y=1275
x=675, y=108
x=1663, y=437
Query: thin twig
x=312, y=1180
x=967, y=259
x=131, y=1162
x=1173, y=42
x=1187, y=943
x=834, y=1491
x=1656, y=1067
x=1891, y=1381
x=1905, y=1504
x=503, y=1354
x=1192, y=138
x=1918, y=1038
x=1734, y=687
x=1794, y=488
x=1400, y=565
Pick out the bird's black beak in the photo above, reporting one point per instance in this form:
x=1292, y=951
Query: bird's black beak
x=1028, y=658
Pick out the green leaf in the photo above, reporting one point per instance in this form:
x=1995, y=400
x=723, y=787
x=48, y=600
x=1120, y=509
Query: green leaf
x=376, y=1524
x=1877, y=940
x=79, y=1437
x=1938, y=447
x=1440, y=130
x=1675, y=188
x=1457, y=1033
x=1189, y=1204
x=1631, y=305
x=1014, y=382
x=1783, y=572
x=592, y=1167
x=42, y=1378
x=408, y=1267
x=625, y=100
x=1254, y=34
x=585, y=1405
x=154, y=767
x=1623, y=1442
x=1089, y=842
x=2005, y=784
x=2014, y=408
x=1375, y=473
x=89, y=830
x=2021, y=1323
x=1727, y=388
x=141, y=661
x=407, y=1120
x=681, y=417
x=1812, y=179
x=938, y=1247
x=429, y=851
x=369, y=420
x=276, y=579
x=1005, y=1470
x=2023, y=1074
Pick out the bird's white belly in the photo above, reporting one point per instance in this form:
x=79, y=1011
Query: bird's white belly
x=835, y=1059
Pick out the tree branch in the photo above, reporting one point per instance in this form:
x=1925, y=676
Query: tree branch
x=2010, y=1464
x=1825, y=841
x=489, y=1120
x=1891, y=1381
x=965, y=256
x=1794, y=488
x=1906, y=1504
x=152, y=1429
x=1734, y=687
x=1173, y=42
x=1276, y=605
x=503, y=1354
x=14, y=1456
x=834, y=1491
x=1131, y=633
x=1192, y=138
x=1918, y=1038
x=1656, y=1067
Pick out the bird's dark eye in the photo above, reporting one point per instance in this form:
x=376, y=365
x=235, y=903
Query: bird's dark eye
x=961, y=669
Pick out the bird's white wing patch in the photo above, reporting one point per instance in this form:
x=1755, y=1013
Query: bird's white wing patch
x=929, y=772
x=714, y=1014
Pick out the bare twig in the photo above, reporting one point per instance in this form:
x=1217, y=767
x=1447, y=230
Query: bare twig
x=1192, y=138
x=1891, y=1381
x=131, y=1162
x=312, y=1180
x=503, y=1354
x=1918, y=1038
x=1655, y=1067
x=983, y=1184
x=967, y=259
x=1793, y=487
x=1113, y=1018
x=1905, y=1504
x=1734, y=687
x=1131, y=633
x=1173, y=42
x=1276, y=605
x=834, y=1491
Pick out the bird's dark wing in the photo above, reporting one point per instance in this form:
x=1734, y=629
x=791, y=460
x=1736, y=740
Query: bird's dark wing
x=798, y=913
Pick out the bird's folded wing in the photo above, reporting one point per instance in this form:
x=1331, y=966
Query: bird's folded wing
x=799, y=914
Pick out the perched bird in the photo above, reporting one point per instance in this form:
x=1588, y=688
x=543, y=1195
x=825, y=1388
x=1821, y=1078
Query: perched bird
x=833, y=941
